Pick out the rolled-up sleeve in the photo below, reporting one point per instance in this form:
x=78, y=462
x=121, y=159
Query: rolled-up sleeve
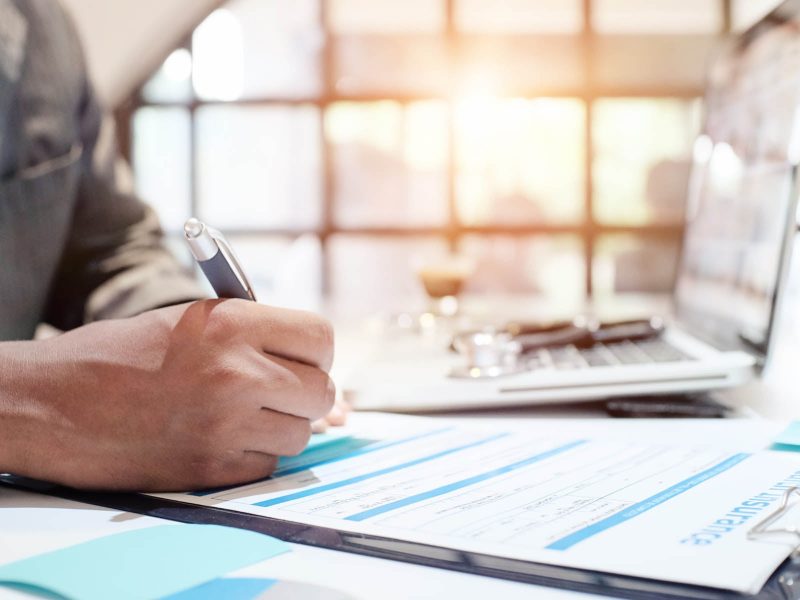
x=115, y=263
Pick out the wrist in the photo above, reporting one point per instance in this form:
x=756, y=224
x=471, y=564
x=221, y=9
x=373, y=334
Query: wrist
x=24, y=413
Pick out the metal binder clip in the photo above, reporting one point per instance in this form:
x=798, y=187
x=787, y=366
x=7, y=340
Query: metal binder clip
x=761, y=529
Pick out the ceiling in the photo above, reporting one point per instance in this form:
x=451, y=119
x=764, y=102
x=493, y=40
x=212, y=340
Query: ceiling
x=126, y=39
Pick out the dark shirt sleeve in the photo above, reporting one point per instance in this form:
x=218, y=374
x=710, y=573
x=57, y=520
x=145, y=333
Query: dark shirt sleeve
x=115, y=264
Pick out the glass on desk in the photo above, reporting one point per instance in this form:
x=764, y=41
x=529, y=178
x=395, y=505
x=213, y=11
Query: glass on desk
x=443, y=279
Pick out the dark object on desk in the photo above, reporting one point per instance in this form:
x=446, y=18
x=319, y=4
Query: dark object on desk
x=584, y=333
x=783, y=585
x=694, y=406
x=581, y=333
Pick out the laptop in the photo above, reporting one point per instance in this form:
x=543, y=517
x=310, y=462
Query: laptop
x=740, y=221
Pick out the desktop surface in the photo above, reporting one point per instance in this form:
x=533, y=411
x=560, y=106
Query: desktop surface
x=366, y=577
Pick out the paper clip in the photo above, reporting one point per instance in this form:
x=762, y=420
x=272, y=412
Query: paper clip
x=761, y=529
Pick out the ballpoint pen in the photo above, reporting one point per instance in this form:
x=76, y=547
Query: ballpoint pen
x=217, y=260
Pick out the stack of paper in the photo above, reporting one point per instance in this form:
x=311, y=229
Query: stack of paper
x=665, y=511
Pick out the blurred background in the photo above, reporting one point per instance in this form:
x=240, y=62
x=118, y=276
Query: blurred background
x=341, y=143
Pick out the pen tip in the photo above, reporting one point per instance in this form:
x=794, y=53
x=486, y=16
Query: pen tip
x=193, y=228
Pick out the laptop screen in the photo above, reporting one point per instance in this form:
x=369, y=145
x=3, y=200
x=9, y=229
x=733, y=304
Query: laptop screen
x=740, y=208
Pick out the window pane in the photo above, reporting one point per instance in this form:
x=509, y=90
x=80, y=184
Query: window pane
x=173, y=80
x=283, y=271
x=520, y=161
x=218, y=49
x=652, y=62
x=624, y=263
x=390, y=163
x=551, y=266
x=370, y=273
x=161, y=162
x=386, y=16
x=657, y=16
x=257, y=48
x=393, y=64
x=747, y=12
x=642, y=159
x=519, y=16
x=259, y=167
x=521, y=65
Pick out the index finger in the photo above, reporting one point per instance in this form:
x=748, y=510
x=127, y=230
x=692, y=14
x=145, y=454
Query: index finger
x=295, y=335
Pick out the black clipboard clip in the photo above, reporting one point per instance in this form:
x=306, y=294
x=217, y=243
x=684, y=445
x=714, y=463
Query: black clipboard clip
x=763, y=530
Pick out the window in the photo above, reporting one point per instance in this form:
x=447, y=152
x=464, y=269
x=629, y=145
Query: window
x=519, y=161
x=641, y=159
x=348, y=140
x=657, y=16
x=389, y=163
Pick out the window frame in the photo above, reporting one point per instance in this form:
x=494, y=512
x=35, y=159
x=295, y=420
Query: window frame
x=590, y=230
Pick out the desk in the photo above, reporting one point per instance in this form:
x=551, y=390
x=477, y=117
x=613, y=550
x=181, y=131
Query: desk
x=31, y=519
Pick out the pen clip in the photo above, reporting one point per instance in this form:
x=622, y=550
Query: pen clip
x=227, y=251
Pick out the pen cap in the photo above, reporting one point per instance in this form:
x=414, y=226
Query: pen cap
x=201, y=242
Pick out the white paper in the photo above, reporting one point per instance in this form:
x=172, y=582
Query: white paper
x=667, y=511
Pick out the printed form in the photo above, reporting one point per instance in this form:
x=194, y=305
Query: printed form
x=668, y=512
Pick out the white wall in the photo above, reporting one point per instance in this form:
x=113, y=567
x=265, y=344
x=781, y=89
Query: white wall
x=125, y=39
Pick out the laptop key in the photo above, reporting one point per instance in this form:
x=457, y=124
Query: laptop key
x=599, y=356
x=628, y=353
x=661, y=351
x=566, y=358
x=603, y=355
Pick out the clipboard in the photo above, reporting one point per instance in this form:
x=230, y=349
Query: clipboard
x=784, y=584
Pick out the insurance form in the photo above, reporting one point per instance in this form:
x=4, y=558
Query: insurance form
x=671, y=512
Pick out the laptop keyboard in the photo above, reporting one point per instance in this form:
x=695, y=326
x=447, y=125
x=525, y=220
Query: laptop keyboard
x=604, y=355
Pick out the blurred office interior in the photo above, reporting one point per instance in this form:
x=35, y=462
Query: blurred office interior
x=342, y=143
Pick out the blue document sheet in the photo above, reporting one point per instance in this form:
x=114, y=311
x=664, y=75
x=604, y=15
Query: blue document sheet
x=152, y=562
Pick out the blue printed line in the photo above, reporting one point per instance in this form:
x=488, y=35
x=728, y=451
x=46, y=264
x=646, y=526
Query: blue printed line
x=321, y=454
x=378, y=473
x=289, y=470
x=378, y=510
x=328, y=450
x=635, y=510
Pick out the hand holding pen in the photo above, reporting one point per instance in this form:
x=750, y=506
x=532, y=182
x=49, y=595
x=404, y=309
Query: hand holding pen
x=197, y=395
x=219, y=264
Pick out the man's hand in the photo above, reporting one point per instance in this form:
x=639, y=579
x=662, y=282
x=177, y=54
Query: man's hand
x=193, y=396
